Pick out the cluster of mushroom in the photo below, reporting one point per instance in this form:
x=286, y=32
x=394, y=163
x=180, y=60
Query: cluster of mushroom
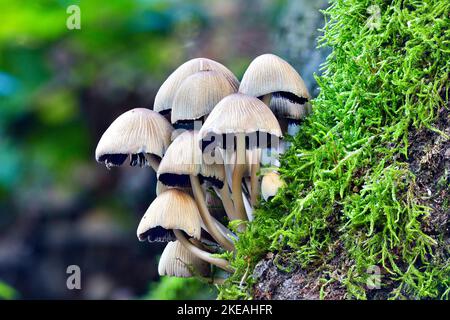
x=208, y=159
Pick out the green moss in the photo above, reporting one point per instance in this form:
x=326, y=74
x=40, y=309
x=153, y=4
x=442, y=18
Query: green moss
x=348, y=180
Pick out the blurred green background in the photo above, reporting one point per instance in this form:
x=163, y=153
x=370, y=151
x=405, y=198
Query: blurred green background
x=60, y=89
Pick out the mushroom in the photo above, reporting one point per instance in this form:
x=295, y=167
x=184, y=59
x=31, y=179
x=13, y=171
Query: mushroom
x=183, y=166
x=270, y=184
x=166, y=93
x=172, y=209
x=198, y=95
x=270, y=76
x=140, y=133
x=177, y=261
x=239, y=117
x=172, y=216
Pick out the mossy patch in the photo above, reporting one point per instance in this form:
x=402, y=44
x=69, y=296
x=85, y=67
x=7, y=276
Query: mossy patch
x=350, y=183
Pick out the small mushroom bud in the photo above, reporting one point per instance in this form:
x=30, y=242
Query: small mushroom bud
x=270, y=184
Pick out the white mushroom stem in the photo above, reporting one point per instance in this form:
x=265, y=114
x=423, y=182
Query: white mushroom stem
x=248, y=208
x=238, y=173
x=254, y=180
x=198, y=244
x=228, y=205
x=210, y=224
x=227, y=156
x=201, y=254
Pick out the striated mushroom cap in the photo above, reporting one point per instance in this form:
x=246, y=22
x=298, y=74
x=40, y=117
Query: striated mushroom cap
x=184, y=158
x=199, y=93
x=172, y=209
x=268, y=74
x=166, y=93
x=137, y=133
x=177, y=261
x=239, y=114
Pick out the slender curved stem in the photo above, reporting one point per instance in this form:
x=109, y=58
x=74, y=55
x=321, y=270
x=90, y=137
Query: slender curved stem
x=201, y=254
x=198, y=244
x=248, y=208
x=228, y=205
x=254, y=180
x=238, y=173
x=210, y=224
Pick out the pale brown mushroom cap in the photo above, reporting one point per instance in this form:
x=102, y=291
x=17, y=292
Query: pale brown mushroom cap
x=270, y=184
x=172, y=209
x=177, y=261
x=199, y=94
x=184, y=158
x=137, y=132
x=166, y=93
x=238, y=114
x=268, y=74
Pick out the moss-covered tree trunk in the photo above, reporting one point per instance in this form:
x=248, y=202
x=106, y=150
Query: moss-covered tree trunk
x=365, y=213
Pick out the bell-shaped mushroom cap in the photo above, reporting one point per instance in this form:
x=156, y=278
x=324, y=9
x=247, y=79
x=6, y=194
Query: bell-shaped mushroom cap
x=172, y=209
x=238, y=114
x=177, y=261
x=285, y=108
x=268, y=74
x=166, y=93
x=199, y=94
x=184, y=158
x=270, y=184
x=137, y=132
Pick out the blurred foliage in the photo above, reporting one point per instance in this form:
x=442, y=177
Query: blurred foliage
x=44, y=66
x=60, y=88
x=7, y=292
x=170, y=288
